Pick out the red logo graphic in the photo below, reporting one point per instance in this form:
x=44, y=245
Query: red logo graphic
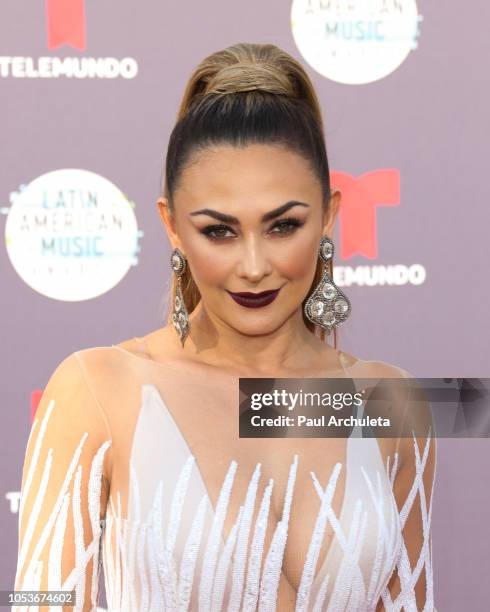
x=66, y=23
x=361, y=196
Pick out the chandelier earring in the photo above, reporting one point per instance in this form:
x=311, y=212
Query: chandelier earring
x=327, y=306
x=180, y=316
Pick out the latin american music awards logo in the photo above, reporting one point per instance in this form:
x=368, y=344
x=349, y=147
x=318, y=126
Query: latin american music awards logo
x=355, y=41
x=66, y=25
x=71, y=234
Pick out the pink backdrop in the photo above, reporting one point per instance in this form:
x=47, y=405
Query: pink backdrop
x=419, y=135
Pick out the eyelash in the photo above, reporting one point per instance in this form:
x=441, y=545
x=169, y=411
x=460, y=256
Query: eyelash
x=292, y=222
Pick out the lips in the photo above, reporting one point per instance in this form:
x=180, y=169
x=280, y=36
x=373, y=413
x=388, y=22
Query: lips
x=254, y=300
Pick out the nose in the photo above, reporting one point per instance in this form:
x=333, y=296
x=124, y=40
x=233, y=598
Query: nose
x=254, y=263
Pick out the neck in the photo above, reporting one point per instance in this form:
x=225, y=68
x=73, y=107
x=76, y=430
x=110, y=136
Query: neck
x=289, y=347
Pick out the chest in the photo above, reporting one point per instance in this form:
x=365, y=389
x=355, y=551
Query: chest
x=288, y=476
x=288, y=503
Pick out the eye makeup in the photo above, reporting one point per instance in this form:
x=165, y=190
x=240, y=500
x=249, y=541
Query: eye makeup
x=286, y=226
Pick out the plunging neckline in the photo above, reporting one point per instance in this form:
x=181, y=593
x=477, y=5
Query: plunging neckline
x=319, y=570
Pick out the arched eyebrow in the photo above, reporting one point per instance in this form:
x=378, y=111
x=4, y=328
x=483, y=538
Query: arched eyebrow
x=224, y=218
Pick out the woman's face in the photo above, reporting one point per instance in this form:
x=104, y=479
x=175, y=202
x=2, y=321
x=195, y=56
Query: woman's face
x=249, y=220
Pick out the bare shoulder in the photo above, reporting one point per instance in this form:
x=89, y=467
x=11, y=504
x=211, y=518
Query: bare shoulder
x=349, y=360
x=158, y=345
x=97, y=357
x=374, y=368
x=383, y=369
x=110, y=362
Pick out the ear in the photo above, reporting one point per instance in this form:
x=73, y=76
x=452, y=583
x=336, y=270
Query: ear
x=168, y=221
x=331, y=212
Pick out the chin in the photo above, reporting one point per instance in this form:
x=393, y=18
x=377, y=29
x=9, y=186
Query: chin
x=257, y=328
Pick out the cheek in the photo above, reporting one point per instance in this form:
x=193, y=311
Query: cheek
x=298, y=260
x=209, y=266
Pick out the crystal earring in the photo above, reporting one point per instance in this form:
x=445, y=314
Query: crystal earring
x=327, y=306
x=180, y=316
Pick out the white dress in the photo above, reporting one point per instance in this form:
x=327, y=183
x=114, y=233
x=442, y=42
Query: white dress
x=110, y=482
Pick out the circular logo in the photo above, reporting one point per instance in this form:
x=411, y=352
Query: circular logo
x=71, y=234
x=355, y=41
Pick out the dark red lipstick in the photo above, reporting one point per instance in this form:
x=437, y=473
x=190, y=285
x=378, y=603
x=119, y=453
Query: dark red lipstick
x=254, y=300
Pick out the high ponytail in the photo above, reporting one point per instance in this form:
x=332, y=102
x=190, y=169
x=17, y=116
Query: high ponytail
x=248, y=93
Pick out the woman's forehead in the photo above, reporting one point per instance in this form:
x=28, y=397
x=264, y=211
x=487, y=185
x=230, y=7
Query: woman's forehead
x=226, y=171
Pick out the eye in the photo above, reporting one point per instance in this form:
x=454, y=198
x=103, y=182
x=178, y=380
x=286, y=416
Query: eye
x=286, y=226
x=216, y=232
x=283, y=227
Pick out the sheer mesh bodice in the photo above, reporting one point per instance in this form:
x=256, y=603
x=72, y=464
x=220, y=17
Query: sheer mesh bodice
x=136, y=467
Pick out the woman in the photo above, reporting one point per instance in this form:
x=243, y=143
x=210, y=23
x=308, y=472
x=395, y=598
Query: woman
x=134, y=462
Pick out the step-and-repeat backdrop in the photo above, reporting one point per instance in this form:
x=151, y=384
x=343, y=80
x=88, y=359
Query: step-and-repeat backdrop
x=88, y=96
